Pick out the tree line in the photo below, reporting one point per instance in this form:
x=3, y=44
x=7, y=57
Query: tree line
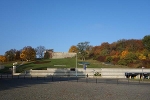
x=26, y=54
x=128, y=52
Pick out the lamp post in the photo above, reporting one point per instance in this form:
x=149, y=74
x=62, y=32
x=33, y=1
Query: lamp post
x=76, y=65
x=142, y=73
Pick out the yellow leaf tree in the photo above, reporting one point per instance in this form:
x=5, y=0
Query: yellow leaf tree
x=142, y=57
x=23, y=55
x=2, y=58
x=124, y=54
x=73, y=49
x=28, y=53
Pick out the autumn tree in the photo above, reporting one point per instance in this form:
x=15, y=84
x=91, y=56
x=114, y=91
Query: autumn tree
x=124, y=51
x=142, y=57
x=105, y=45
x=46, y=55
x=127, y=58
x=73, y=49
x=83, y=47
x=109, y=59
x=113, y=53
x=17, y=55
x=138, y=45
x=131, y=57
x=2, y=58
x=96, y=50
x=105, y=49
x=121, y=45
x=112, y=46
x=146, y=42
x=101, y=58
x=40, y=51
x=28, y=53
x=10, y=55
x=124, y=54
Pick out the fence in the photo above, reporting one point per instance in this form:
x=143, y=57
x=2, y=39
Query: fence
x=84, y=79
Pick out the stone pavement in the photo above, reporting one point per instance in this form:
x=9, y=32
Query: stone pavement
x=33, y=89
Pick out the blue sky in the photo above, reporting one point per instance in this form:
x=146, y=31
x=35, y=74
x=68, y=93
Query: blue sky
x=59, y=24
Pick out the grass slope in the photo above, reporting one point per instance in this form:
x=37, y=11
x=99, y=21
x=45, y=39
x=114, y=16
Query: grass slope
x=49, y=63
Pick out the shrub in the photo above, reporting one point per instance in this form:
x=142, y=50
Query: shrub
x=115, y=60
x=122, y=62
x=109, y=59
x=101, y=58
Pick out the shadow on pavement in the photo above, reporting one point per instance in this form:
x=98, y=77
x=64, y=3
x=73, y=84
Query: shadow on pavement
x=10, y=83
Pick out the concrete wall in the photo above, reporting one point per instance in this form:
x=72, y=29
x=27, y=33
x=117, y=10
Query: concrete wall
x=56, y=55
x=105, y=72
x=119, y=72
x=56, y=72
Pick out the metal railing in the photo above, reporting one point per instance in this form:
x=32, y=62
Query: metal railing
x=52, y=78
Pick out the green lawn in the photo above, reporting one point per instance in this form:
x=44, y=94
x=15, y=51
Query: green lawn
x=50, y=63
x=8, y=67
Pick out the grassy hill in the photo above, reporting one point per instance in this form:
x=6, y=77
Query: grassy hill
x=54, y=63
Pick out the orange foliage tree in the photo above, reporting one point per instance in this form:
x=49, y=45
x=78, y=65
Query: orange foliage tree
x=28, y=53
x=2, y=58
x=73, y=49
x=124, y=54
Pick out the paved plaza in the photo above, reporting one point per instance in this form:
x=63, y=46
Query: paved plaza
x=82, y=89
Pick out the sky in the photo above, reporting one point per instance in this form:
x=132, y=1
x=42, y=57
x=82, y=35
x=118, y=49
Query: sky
x=59, y=24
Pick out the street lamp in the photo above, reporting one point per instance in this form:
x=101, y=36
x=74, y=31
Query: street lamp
x=76, y=62
x=142, y=73
x=76, y=65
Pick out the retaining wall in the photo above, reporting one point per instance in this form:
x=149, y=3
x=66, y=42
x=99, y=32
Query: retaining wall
x=120, y=72
x=105, y=72
x=62, y=55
